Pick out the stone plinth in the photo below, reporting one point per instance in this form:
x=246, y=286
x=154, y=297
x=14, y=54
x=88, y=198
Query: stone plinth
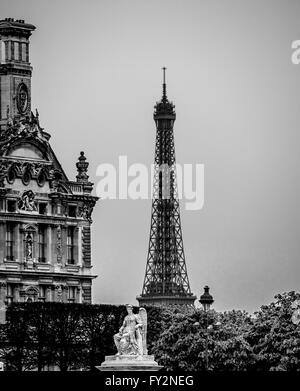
x=129, y=363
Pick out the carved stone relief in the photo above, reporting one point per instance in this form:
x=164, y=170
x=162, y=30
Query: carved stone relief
x=26, y=202
x=59, y=244
x=29, y=246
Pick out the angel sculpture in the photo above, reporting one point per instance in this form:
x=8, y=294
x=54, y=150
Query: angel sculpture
x=131, y=338
x=296, y=314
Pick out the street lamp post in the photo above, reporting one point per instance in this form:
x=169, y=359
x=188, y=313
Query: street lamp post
x=206, y=300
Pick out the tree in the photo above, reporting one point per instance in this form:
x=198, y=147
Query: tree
x=98, y=324
x=74, y=336
x=39, y=318
x=19, y=338
x=274, y=337
x=67, y=336
x=187, y=340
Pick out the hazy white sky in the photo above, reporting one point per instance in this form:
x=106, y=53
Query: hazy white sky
x=97, y=74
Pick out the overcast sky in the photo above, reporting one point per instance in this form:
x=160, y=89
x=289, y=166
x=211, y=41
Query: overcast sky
x=97, y=75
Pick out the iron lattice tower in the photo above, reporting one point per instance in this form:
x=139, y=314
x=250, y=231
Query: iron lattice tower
x=166, y=280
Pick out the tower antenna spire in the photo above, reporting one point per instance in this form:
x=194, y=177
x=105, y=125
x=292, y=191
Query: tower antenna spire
x=164, y=84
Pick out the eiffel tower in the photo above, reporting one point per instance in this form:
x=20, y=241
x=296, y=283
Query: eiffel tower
x=166, y=281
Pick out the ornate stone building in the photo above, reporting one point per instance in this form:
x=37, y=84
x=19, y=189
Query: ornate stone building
x=45, y=219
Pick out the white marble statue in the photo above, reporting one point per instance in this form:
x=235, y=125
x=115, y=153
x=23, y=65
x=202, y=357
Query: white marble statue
x=131, y=338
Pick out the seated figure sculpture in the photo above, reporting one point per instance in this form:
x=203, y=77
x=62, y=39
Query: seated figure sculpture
x=131, y=338
x=132, y=346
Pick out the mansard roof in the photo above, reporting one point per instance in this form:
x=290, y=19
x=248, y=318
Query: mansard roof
x=24, y=146
x=25, y=139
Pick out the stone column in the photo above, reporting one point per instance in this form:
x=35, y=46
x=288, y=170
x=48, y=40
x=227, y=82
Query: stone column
x=86, y=245
x=12, y=48
x=79, y=295
x=27, y=51
x=65, y=294
x=75, y=245
x=35, y=255
x=17, y=243
x=51, y=290
x=23, y=51
x=64, y=239
x=21, y=244
x=16, y=294
x=54, y=254
x=3, y=290
x=79, y=241
x=46, y=293
x=20, y=50
x=49, y=245
x=2, y=240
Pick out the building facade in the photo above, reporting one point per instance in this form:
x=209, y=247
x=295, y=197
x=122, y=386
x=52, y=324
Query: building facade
x=45, y=219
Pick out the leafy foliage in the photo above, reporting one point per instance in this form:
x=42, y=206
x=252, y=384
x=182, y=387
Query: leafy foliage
x=202, y=341
x=69, y=336
x=274, y=337
x=233, y=340
x=72, y=336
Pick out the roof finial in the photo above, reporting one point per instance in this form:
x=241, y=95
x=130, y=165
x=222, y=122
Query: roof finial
x=82, y=167
x=164, y=98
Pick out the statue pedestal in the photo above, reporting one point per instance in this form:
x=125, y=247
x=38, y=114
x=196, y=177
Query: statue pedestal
x=129, y=363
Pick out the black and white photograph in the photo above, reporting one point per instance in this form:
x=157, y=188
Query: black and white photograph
x=149, y=189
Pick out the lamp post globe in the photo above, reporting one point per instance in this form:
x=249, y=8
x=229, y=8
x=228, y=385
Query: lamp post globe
x=206, y=299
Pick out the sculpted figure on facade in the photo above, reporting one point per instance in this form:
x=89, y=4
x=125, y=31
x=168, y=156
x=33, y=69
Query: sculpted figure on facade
x=85, y=211
x=29, y=246
x=21, y=128
x=131, y=338
x=27, y=202
x=59, y=289
x=3, y=172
